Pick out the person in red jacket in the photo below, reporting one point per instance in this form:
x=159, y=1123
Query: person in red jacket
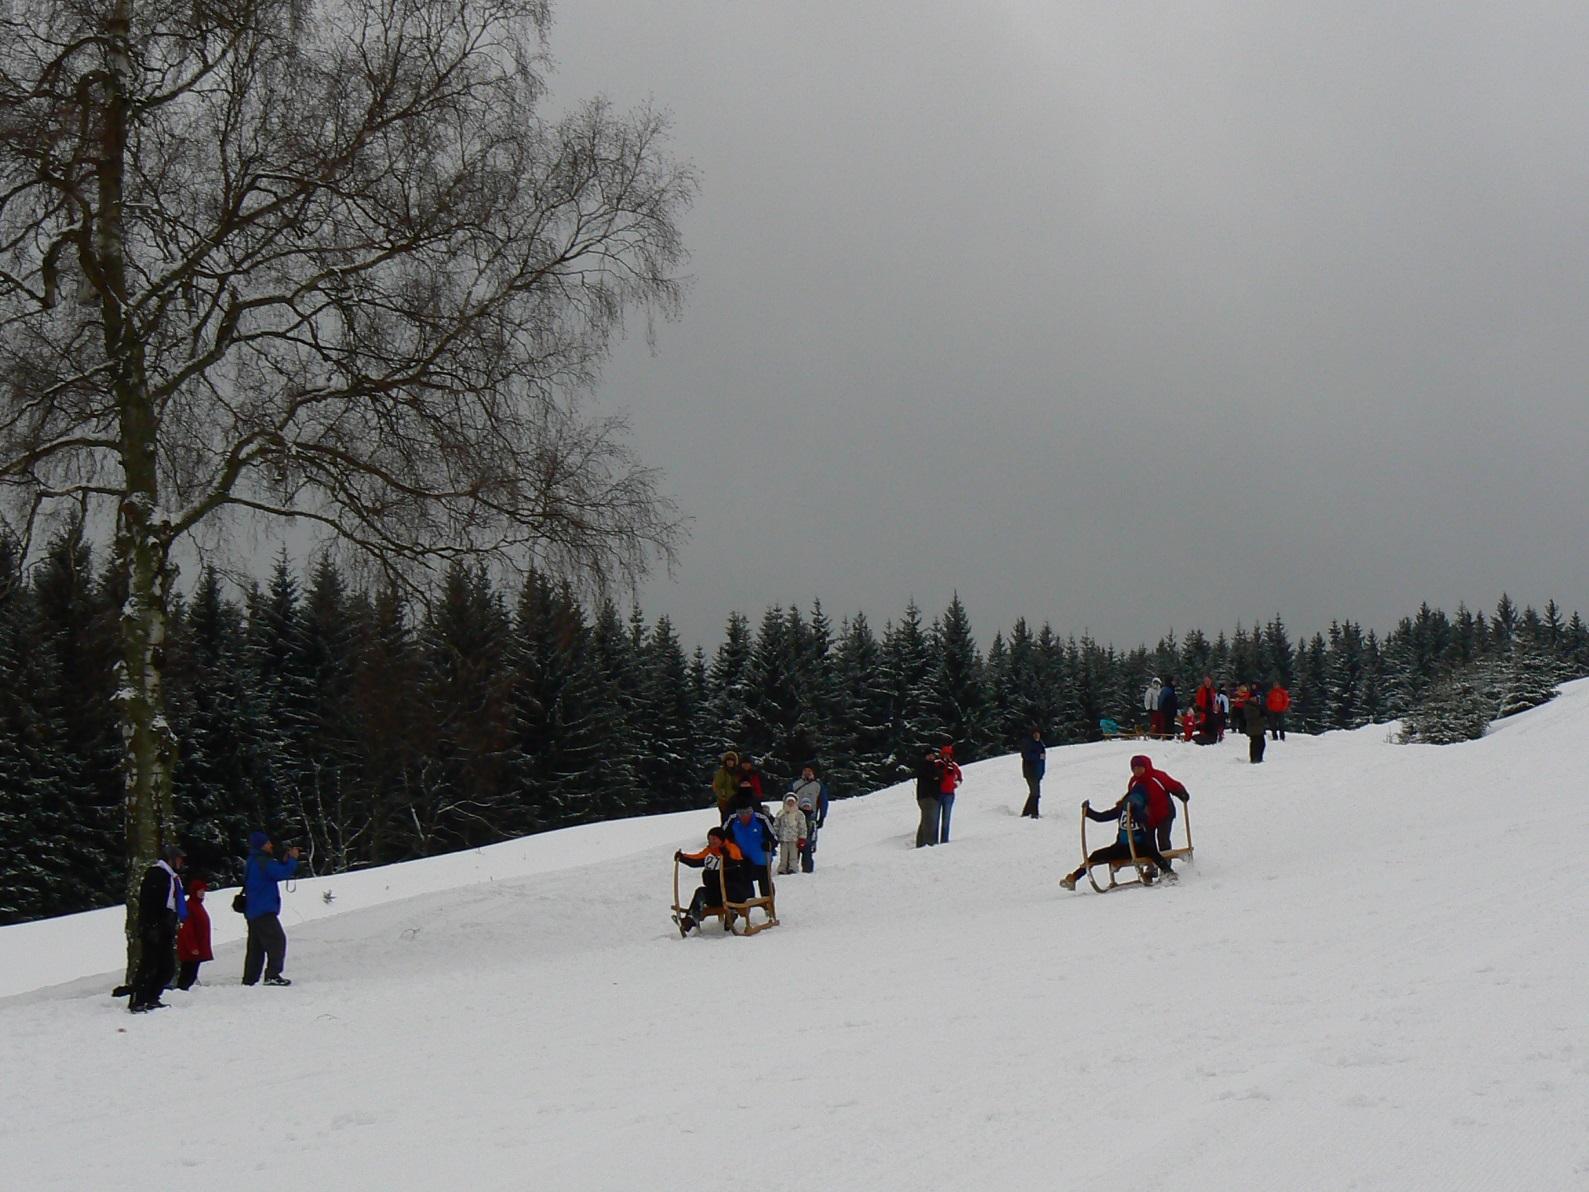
x=946, y=791
x=193, y=937
x=1160, y=815
x=1277, y=705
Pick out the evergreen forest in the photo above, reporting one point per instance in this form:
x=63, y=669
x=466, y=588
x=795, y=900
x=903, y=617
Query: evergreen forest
x=370, y=729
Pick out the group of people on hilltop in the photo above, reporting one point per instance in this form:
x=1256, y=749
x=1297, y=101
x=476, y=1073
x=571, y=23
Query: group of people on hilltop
x=174, y=925
x=1255, y=710
x=737, y=859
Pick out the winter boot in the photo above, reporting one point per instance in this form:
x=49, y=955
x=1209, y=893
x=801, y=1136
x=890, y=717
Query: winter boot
x=1068, y=882
x=277, y=981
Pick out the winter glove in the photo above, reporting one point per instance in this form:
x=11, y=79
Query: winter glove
x=678, y=854
x=801, y=842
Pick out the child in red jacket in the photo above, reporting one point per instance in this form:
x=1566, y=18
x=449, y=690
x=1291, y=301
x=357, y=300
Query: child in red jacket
x=193, y=937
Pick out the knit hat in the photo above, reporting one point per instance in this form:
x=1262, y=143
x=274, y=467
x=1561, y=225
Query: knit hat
x=197, y=885
x=1142, y=760
x=257, y=839
x=788, y=800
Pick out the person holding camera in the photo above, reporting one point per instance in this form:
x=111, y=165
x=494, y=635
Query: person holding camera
x=267, y=941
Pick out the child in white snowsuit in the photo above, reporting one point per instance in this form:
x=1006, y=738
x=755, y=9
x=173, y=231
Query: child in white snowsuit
x=790, y=828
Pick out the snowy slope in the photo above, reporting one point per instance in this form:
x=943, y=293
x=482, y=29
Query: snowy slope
x=1373, y=977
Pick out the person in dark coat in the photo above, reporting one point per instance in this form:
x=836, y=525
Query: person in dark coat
x=1254, y=722
x=193, y=936
x=162, y=905
x=267, y=941
x=1033, y=754
x=929, y=785
x=1169, y=707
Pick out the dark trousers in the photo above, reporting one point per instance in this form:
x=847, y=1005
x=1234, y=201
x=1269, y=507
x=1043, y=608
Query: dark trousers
x=1121, y=851
x=708, y=897
x=157, y=963
x=808, y=855
x=1277, y=726
x=267, y=948
x=1034, y=784
x=188, y=973
x=946, y=806
x=927, y=830
x=1255, y=747
x=1163, y=832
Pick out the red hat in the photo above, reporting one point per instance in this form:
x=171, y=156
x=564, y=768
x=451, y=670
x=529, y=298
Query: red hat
x=1142, y=760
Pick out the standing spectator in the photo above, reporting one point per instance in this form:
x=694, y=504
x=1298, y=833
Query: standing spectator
x=725, y=785
x=267, y=941
x=1169, y=708
x=749, y=783
x=162, y=905
x=1253, y=721
x=1278, y=704
x=1206, y=701
x=811, y=795
x=1150, y=703
x=193, y=936
x=1033, y=763
x=790, y=828
x=929, y=785
x=947, y=785
x=1221, y=712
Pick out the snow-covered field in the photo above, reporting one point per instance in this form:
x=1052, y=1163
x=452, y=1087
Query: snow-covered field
x=1375, y=976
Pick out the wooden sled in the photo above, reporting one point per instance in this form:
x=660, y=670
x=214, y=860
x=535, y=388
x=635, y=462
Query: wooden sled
x=730, y=913
x=1141, y=865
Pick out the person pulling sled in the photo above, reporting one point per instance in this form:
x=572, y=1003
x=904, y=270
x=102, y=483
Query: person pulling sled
x=1133, y=844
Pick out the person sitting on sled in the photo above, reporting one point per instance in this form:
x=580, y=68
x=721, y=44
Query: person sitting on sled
x=722, y=867
x=1130, y=812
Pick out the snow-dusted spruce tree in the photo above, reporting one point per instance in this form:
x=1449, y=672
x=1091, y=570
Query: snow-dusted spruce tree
x=324, y=261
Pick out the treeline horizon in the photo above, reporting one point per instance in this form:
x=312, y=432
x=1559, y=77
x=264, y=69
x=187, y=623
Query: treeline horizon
x=370, y=729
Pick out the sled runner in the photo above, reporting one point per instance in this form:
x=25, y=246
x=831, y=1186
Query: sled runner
x=1144, y=868
x=730, y=912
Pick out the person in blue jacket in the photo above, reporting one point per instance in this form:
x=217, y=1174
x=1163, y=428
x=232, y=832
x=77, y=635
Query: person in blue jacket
x=752, y=831
x=1033, y=752
x=267, y=941
x=1132, y=812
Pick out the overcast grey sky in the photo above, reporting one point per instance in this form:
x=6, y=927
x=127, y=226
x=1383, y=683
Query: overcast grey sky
x=1121, y=315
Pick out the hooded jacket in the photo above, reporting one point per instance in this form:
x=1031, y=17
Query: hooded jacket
x=193, y=937
x=1150, y=697
x=1157, y=788
x=790, y=825
x=725, y=783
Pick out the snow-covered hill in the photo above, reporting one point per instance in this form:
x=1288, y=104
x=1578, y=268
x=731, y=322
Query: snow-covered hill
x=1375, y=976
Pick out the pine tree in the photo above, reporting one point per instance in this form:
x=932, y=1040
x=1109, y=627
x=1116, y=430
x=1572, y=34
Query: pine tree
x=729, y=680
x=958, y=703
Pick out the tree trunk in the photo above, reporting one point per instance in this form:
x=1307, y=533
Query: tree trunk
x=142, y=553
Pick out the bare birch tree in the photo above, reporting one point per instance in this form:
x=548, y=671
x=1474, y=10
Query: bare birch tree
x=323, y=261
